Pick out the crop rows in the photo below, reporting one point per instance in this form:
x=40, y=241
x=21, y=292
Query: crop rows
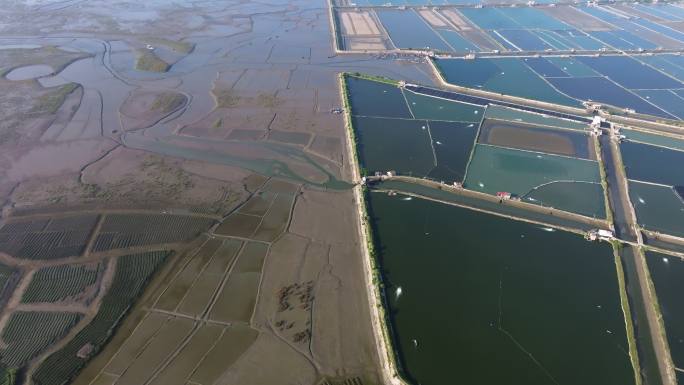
x=47, y=238
x=132, y=273
x=24, y=226
x=57, y=283
x=122, y=231
x=5, y=274
x=27, y=334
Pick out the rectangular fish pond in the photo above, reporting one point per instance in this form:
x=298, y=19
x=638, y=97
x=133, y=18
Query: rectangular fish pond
x=410, y=133
x=478, y=299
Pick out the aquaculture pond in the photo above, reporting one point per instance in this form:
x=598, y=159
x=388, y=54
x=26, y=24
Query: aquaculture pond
x=620, y=81
x=494, y=169
x=491, y=206
x=537, y=138
x=667, y=273
x=658, y=208
x=505, y=113
x=645, y=163
x=602, y=90
x=469, y=292
x=578, y=197
x=437, y=143
x=428, y=107
x=508, y=76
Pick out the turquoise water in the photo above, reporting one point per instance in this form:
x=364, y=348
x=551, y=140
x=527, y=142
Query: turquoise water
x=490, y=301
x=509, y=76
x=457, y=42
x=493, y=169
x=408, y=30
x=667, y=273
x=504, y=113
x=572, y=66
x=656, y=140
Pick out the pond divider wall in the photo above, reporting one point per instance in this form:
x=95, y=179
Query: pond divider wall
x=391, y=370
x=627, y=312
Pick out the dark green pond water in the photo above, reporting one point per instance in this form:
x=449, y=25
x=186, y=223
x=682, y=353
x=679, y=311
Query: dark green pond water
x=369, y=98
x=667, y=273
x=477, y=299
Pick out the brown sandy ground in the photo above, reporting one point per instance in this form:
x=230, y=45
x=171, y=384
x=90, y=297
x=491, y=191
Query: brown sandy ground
x=128, y=178
x=295, y=327
x=86, y=302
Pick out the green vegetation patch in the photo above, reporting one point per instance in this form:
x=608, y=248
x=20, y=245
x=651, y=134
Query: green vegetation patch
x=48, y=55
x=50, y=102
x=667, y=273
x=65, y=282
x=658, y=208
x=225, y=97
x=576, y=197
x=132, y=274
x=147, y=60
x=8, y=376
x=431, y=108
x=497, y=169
x=469, y=292
x=394, y=144
x=27, y=334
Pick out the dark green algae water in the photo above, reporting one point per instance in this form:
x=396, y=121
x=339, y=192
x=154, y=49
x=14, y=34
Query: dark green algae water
x=487, y=300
